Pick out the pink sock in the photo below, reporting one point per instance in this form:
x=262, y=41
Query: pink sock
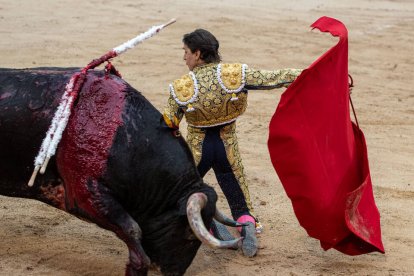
x=245, y=218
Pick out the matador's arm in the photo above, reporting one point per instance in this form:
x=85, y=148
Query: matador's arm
x=172, y=113
x=266, y=79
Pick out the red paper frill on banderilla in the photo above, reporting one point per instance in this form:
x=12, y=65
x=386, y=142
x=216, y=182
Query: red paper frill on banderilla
x=320, y=155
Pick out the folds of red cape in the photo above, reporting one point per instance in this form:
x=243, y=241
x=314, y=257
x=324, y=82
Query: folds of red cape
x=320, y=156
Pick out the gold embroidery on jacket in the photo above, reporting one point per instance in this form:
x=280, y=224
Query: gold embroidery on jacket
x=231, y=75
x=184, y=88
x=271, y=78
x=213, y=105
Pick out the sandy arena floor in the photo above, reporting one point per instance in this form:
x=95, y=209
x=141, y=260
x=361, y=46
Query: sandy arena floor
x=270, y=34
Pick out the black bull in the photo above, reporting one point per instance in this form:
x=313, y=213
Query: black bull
x=118, y=165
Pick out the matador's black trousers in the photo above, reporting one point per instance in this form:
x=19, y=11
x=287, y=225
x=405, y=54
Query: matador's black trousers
x=214, y=156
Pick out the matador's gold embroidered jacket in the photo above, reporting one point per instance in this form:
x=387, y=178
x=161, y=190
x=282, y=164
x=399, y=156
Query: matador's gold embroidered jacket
x=216, y=94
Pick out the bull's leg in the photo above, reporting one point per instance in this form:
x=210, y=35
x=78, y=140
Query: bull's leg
x=130, y=232
x=104, y=210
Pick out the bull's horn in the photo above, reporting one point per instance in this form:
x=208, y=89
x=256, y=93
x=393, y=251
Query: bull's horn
x=220, y=217
x=195, y=203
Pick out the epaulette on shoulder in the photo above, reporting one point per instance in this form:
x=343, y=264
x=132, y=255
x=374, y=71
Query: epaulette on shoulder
x=183, y=88
x=232, y=76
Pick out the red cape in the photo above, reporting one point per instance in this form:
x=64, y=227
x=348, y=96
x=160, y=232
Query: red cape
x=320, y=155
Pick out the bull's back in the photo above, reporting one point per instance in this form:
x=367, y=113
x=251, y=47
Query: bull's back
x=28, y=100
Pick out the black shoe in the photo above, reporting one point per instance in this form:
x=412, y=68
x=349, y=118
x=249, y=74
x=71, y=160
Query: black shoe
x=221, y=232
x=249, y=243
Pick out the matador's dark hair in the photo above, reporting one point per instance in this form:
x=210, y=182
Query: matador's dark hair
x=204, y=41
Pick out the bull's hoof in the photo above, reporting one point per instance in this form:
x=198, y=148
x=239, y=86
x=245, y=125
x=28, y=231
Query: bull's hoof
x=249, y=243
